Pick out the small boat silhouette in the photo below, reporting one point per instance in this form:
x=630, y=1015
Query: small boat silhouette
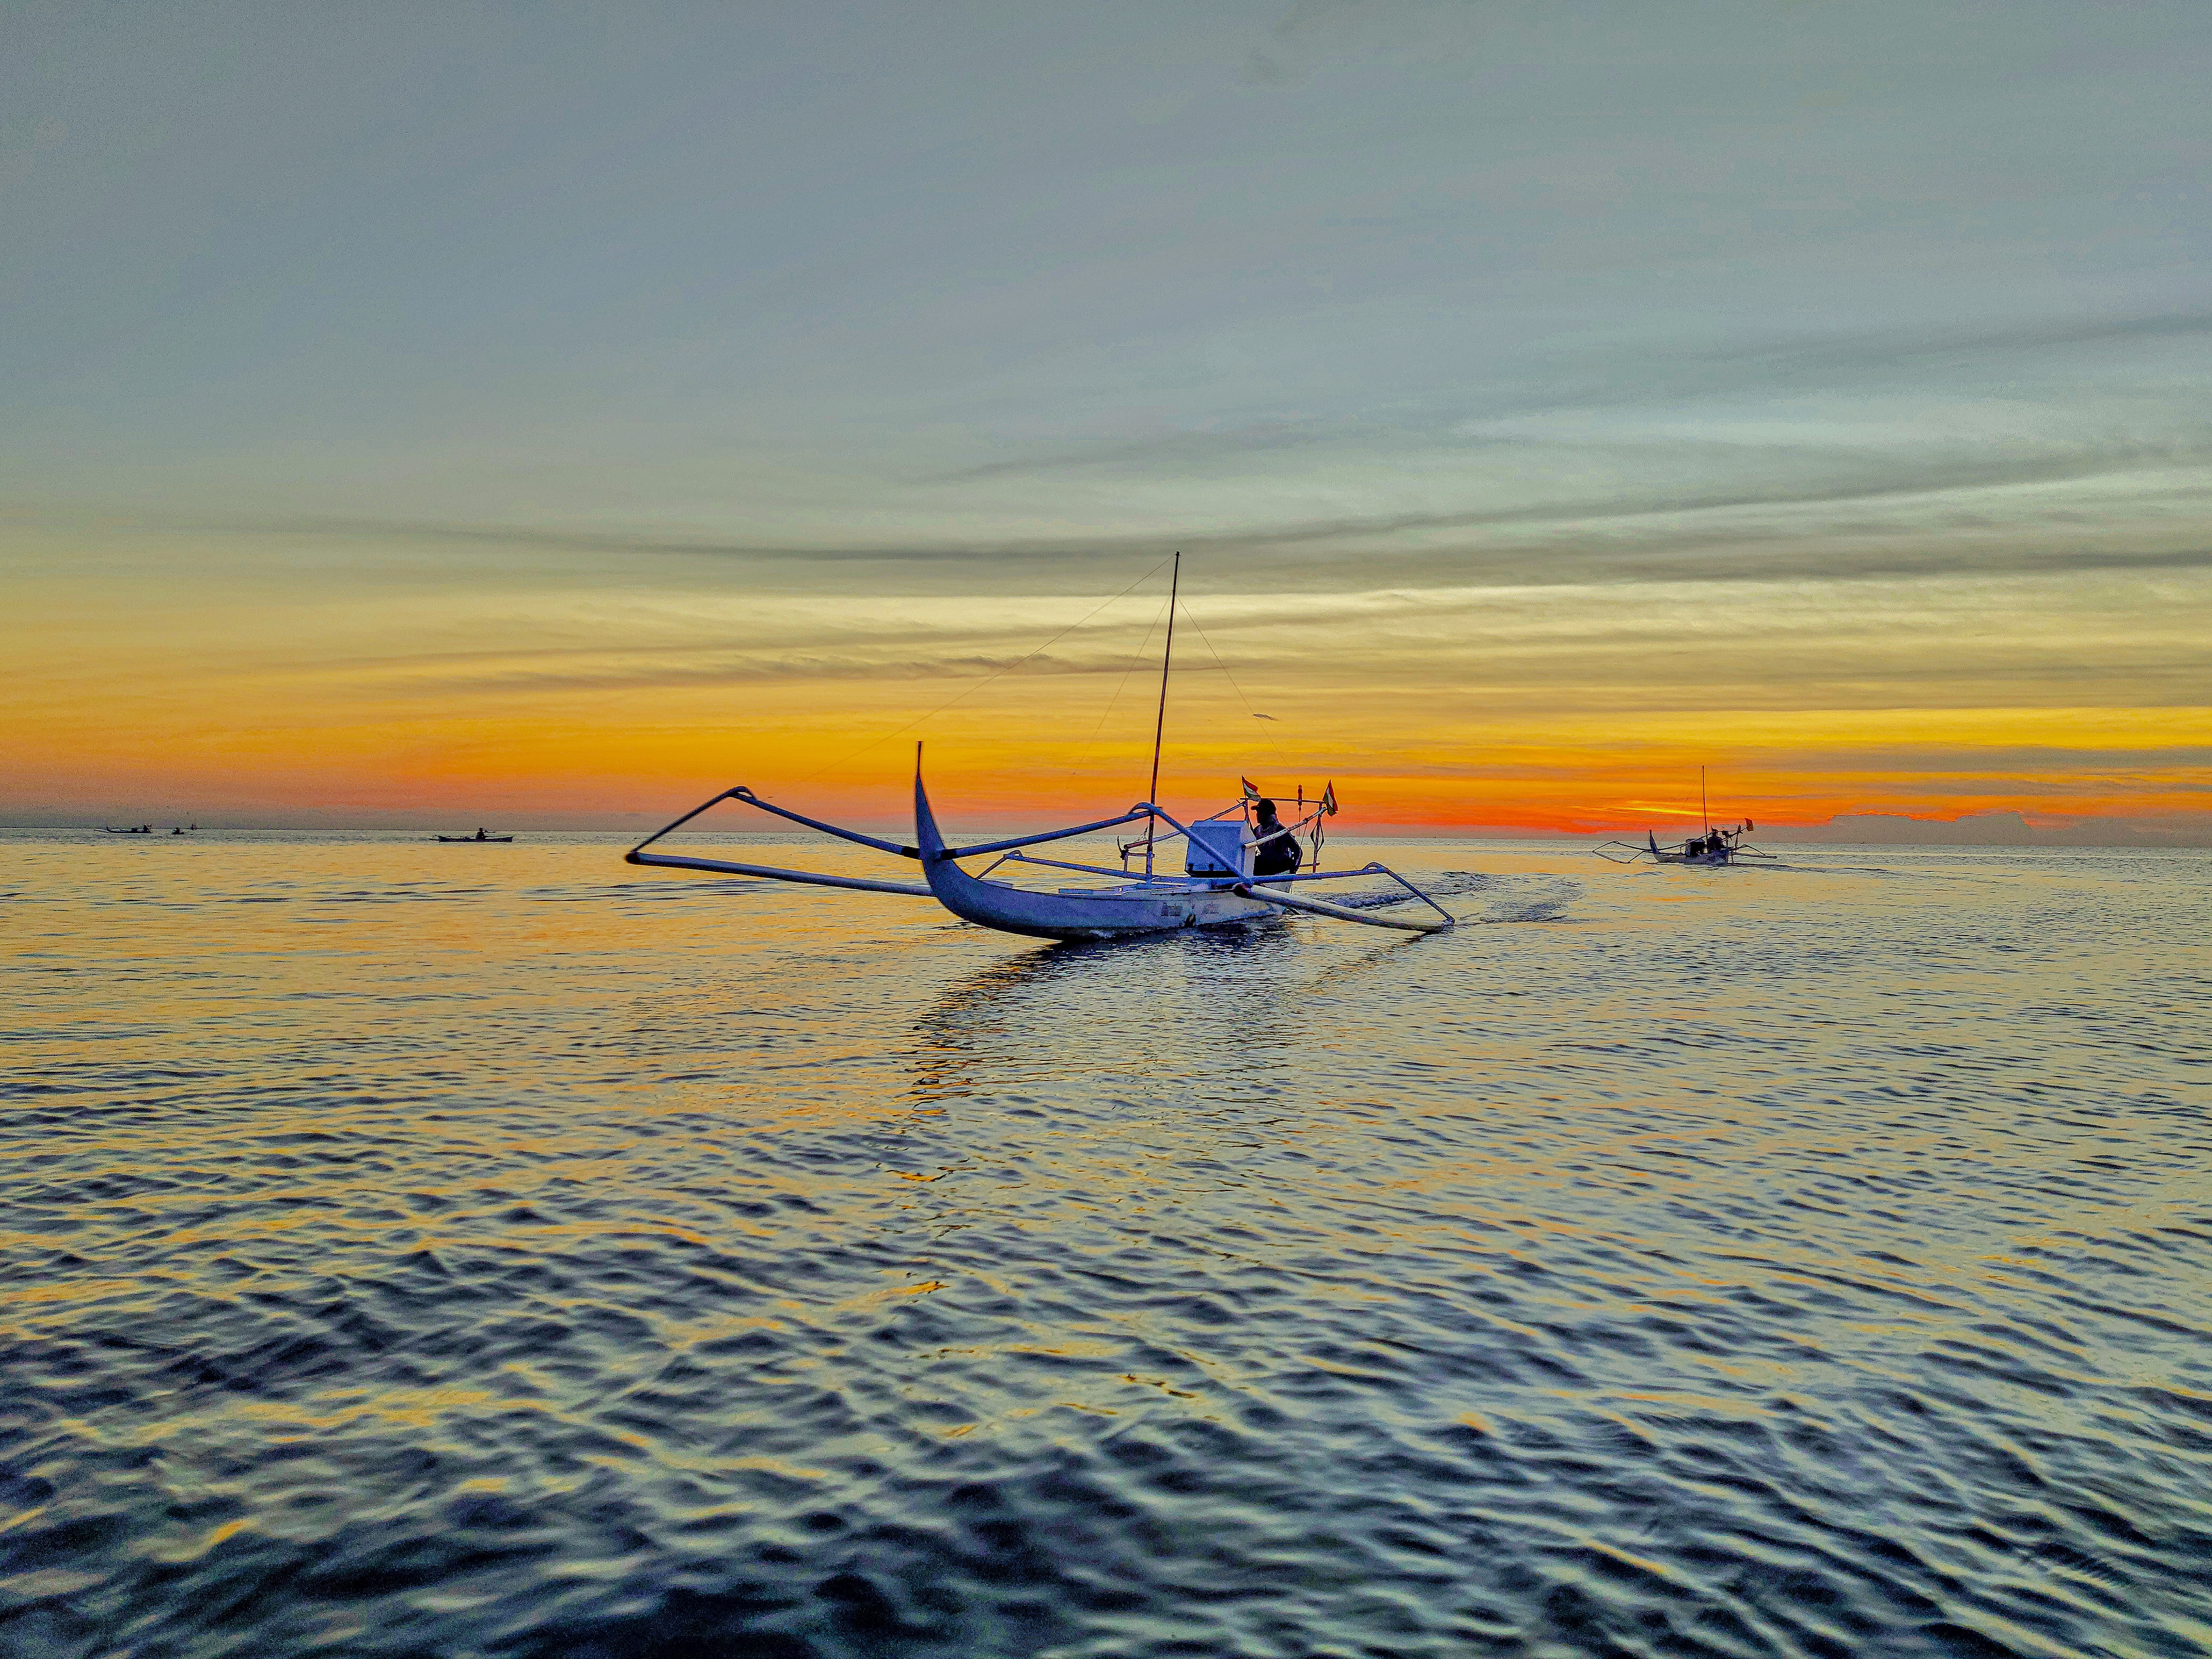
x=1713, y=848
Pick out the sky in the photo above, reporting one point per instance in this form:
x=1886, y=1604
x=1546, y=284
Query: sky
x=549, y=415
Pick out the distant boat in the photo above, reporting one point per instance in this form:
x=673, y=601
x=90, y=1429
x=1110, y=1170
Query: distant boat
x=1712, y=849
x=136, y=829
x=479, y=835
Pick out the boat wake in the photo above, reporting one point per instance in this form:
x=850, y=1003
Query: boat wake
x=1546, y=900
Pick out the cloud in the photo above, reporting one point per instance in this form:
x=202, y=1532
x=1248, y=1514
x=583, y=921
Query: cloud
x=2001, y=828
x=1663, y=510
x=1821, y=358
x=1533, y=650
x=2017, y=758
x=1314, y=34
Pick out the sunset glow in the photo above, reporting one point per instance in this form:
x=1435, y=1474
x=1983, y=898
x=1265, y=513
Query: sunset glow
x=1568, y=708
x=384, y=454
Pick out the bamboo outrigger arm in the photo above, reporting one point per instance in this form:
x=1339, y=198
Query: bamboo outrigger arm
x=1321, y=907
x=1142, y=810
x=637, y=854
x=682, y=861
x=745, y=796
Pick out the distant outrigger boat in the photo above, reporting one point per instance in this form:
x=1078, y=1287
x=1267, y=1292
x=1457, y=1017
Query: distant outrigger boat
x=1227, y=877
x=1712, y=849
x=478, y=836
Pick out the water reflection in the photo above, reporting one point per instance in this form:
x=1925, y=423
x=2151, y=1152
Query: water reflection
x=582, y=1266
x=1193, y=988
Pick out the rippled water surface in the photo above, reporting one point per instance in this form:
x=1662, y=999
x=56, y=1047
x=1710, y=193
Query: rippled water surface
x=458, y=1250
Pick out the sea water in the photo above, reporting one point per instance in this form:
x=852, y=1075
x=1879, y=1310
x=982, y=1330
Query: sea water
x=409, y=1249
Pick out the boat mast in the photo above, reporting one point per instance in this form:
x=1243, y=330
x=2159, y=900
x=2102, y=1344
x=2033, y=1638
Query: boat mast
x=1704, y=812
x=1160, y=724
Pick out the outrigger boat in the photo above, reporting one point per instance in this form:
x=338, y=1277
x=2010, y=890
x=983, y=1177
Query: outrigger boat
x=1712, y=848
x=479, y=835
x=1222, y=882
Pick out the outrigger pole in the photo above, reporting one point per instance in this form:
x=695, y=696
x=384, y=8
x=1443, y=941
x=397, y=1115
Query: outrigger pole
x=1160, y=725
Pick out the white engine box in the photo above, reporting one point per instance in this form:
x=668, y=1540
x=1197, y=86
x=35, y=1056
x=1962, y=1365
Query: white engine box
x=1217, y=849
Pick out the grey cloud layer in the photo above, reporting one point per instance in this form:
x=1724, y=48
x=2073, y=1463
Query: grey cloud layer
x=1335, y=297
x=1529, y=650
x=1674, y=510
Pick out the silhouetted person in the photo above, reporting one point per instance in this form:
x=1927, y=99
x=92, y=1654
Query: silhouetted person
x=1278, y=856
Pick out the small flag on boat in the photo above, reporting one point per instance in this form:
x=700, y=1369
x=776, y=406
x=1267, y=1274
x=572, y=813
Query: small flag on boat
x=1328, y=799
x=1748, y=824
x=1251, y=793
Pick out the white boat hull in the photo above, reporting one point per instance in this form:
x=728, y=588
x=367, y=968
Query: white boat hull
x=1105, y=913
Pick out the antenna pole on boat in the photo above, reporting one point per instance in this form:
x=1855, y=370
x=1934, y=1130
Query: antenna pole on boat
x=1704, y=812
x=1160, y=725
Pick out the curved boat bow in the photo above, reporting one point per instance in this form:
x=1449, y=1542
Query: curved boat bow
x=1090, y=913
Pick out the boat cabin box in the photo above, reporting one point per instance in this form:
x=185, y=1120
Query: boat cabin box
x=1218, y=849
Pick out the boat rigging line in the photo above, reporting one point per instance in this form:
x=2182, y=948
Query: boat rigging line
x=1143, y=655
x=995, y=674
x=1160, y=725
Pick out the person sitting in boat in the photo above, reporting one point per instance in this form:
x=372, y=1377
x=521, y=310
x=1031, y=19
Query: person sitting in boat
x=1277, y=852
